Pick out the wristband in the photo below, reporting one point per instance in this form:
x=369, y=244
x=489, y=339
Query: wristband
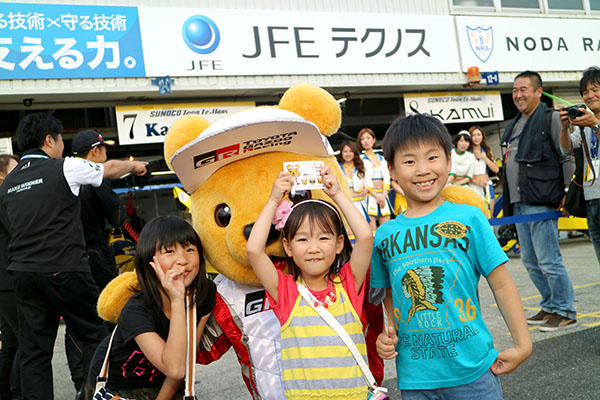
x=596, y=128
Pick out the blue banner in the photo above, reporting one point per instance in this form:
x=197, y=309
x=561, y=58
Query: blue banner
x=41, y=41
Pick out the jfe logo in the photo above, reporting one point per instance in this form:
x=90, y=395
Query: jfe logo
x=201, y=34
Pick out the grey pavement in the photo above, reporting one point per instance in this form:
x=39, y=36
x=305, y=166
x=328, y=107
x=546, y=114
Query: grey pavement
x=564, y=364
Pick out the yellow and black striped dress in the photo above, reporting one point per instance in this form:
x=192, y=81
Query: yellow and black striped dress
x=316, y=363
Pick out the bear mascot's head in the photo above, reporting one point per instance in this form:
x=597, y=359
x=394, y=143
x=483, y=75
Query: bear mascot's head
x=229, y=167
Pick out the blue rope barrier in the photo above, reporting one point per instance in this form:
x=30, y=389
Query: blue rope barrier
x=147, y=188
x=516, y=219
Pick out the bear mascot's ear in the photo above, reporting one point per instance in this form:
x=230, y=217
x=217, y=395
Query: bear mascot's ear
x=314, y=104
x=183, y=131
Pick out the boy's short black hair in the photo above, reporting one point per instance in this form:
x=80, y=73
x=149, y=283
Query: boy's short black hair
x=533, y=76
x=33, y=129
x=413, y=130
x=590, y=75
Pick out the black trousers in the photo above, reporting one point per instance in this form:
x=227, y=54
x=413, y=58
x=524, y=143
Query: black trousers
x=41, y=299
x=9, y=355
x=103, y=265
x=104, y=269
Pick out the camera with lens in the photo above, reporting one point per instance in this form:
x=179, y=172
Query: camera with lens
x=574, y=111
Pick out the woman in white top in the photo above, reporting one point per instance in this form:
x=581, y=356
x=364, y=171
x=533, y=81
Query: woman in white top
x=463, y=161
x=357, y=176
x=481, y=182
x=377, y=200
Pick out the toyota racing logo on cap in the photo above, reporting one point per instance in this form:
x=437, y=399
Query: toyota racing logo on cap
x=201, y=34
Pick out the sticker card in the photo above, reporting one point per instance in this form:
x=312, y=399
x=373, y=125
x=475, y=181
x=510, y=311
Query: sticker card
x=305, y=173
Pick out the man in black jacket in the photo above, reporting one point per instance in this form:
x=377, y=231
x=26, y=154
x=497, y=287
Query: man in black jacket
x=99, y=208
x=40, y=209
x=534, y=182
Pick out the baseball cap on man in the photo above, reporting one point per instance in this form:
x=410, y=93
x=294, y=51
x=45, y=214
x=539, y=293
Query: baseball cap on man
x=86, y=140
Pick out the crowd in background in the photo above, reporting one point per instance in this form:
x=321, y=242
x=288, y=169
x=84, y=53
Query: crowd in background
x=54, y=257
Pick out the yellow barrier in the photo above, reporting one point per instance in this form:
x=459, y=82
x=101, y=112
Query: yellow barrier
x=572, y=224
x=566, y=223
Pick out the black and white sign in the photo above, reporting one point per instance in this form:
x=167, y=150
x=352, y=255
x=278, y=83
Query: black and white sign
x=449, y=107
x=6, y=146
x=150, y=123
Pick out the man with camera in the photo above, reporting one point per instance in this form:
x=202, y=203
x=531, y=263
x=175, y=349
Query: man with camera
x=534, y=182
x=589, y=88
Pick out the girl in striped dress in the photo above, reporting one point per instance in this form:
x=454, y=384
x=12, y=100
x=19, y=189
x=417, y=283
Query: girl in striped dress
x=316, y=363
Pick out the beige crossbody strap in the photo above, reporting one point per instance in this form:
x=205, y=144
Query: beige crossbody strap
x=376, y=391
x=101, y=379
x=190, y=359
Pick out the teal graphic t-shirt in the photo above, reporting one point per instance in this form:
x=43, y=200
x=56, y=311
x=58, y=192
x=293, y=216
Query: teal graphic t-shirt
x=433, y=265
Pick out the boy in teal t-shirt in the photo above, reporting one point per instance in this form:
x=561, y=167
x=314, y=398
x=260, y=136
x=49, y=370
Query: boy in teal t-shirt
x=430, y=259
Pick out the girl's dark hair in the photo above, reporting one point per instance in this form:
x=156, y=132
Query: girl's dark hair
x=414, y=130
x=360, y=135
x=484, y=145
x=319, y=215
x=465, y=135
x=159, y=233
x=4, y=161
x=358, y=162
